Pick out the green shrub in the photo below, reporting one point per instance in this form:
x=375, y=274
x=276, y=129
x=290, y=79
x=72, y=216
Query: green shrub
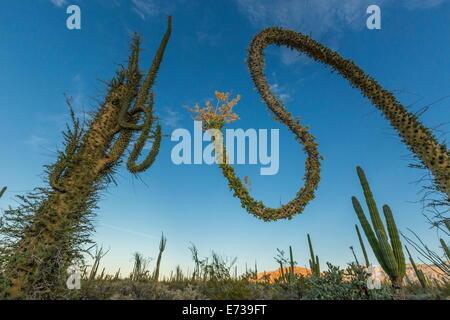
x=339, y=284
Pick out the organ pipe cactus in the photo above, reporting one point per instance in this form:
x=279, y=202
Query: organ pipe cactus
x=291, y=261
x=389, y=254
x=314, y=260
x=418, y=139
x=363, y=248
x=419, y=273
x=46, y=245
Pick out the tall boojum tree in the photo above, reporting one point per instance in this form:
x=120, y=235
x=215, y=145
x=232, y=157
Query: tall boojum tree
x=419, y=140
x=46, y=239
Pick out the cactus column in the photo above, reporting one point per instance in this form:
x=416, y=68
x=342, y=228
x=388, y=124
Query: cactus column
x=162, y=247
x=314, y=261
x=291, y=261
x=49, y=241
x=419, y=273
x=389, y=255
x=363, y=248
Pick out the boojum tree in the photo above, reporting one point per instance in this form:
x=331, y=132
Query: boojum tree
x=418, y=139
x=48, y=236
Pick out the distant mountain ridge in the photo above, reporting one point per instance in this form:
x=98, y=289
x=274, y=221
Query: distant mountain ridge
x=430, y=272
x=271, y=276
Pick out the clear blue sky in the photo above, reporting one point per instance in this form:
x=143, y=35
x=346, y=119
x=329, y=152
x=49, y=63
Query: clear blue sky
x=40, y=59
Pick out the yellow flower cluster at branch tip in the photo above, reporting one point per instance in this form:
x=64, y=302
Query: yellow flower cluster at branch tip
x=215, y=117
x=221, y=96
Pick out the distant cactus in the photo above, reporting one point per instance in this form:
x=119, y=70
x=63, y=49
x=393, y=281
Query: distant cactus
x=291, y=261
x=419, y=273
x=363, y=248
x=162, y=247
x=314, y=260
x=97, y=257
x=354, y=255
x=139, y=272
x=283, y=276
x=2, y=191
x=389, y=255
x=50, y=239
x=116, y=275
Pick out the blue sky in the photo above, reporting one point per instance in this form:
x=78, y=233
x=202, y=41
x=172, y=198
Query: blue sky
x=41, y=59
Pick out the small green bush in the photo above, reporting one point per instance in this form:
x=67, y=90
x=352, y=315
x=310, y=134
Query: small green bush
x=349, y=284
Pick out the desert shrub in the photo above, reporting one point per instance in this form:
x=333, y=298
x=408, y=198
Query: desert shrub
x=333, y=284
x=339, y=284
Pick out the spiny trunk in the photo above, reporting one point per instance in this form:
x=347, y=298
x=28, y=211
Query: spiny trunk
x=50, y=240
x=46, y=238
